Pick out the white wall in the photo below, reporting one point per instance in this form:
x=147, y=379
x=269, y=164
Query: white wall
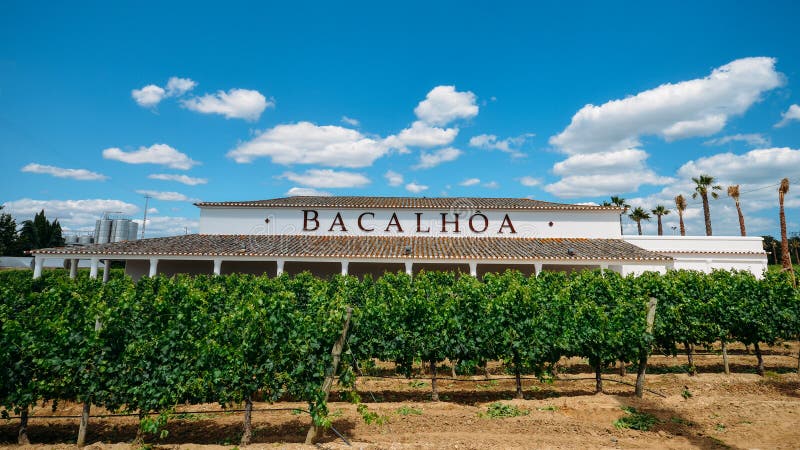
x=706, y=253
x=585, y=224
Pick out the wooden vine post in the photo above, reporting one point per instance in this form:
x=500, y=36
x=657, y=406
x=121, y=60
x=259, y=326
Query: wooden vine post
x=336, y=353
x=651, y=317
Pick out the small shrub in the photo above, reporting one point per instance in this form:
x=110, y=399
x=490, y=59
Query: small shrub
x=635, y=420
x=407, y=410
x=500, y=410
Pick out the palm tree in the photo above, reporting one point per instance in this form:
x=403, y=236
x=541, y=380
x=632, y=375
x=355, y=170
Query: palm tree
x=638, y=215
x=733, y=192
x=680, y=205
x=658, y=212
x=620, y=202
x=786, y=258
x=704, y=185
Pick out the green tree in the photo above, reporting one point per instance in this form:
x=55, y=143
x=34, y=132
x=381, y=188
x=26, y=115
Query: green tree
x=638, y=215
x=680, y=206
x=733, y=192
x=41, y=233
x=659, y=211
x=704, y=186
x=9, y=238
x=620, y=202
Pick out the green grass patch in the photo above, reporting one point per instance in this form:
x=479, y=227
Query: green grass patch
x=500, y=410
x=409, y=411
x=636, y=420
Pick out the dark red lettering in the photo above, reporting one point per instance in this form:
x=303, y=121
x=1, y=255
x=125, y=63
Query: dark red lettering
x=419, y=224
x=394, y=221
x=338, y=221
x=472, y=225
x=507, y=224
x=307, y=219
x=445, y=222
x=361, y=224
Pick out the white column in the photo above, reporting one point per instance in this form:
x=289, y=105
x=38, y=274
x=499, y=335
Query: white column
x=603, y=268
x=279, y=263
x=93, y=267
x=473, y=269
x=345, y=265
x=73, y=268
x=538, y=268
x=106, y=269
x=37, y=266
x=409, y=267
x=217, y=266
x=153, y=267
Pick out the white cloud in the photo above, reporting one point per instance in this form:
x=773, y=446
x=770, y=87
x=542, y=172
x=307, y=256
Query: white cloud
x=161, y=154
x=394, y=178
x=306, y=192
x=187, y=180
x=754, y=139
x=491, y=185
x=530, y=181
x=421, y=134
x=307, y=143
x=148, y=96
x=443, y=104
x=428, y=160
x=74, y=215
x=508, y=145
x=603, y=141
x=697, y=107
x=350, y=121
x=470, y=182
x=327, y=178
x=793, y=113
x=167, y=196
x=168, y=226
x=235, y=104
x=755, y=166
x=178, y=86
x=60, y=172
x=416, y=188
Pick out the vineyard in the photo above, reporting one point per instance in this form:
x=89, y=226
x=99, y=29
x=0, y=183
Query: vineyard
x=150, y=346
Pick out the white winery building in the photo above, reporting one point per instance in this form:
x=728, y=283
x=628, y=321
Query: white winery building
x=372, y=235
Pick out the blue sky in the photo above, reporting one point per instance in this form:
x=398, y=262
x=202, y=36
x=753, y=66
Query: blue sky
x=236, y=101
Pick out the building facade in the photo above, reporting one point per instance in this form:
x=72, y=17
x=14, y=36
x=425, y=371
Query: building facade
x=372, y=235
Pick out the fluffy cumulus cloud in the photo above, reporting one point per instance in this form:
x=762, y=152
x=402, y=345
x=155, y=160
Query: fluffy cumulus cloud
x=443, y=104
x=420, y=134
x=167, y=196
x=757, y=172
x=470, y=182
x=161, y=154
x=307, y=143
x=60, y=172
x=393, y=178
x=148, y=96
x=185, y=179
x=509, y=145
x=433, y=159
x=151, y=95
x=415, y=187
x=327, y=178
x=793, y=113
x=613, y=130
x=752, y=139
x=306, y=192
x=74, y=215
x=235, y=104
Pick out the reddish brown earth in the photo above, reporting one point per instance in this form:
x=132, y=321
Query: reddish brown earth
x=741, y=410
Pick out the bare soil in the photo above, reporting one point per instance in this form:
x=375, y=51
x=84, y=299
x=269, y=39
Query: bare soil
x=710, y=410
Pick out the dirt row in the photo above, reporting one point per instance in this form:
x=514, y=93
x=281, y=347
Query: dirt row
x=709, y=410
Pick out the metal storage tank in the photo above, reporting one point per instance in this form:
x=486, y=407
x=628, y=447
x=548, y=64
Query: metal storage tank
x=119, y=230
x=85, y=240
x=133, y=230
x=104, y=231
x=71, y=239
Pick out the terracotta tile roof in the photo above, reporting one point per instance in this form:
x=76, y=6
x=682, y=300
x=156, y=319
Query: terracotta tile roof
x=388, y=247
x=461, y=203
